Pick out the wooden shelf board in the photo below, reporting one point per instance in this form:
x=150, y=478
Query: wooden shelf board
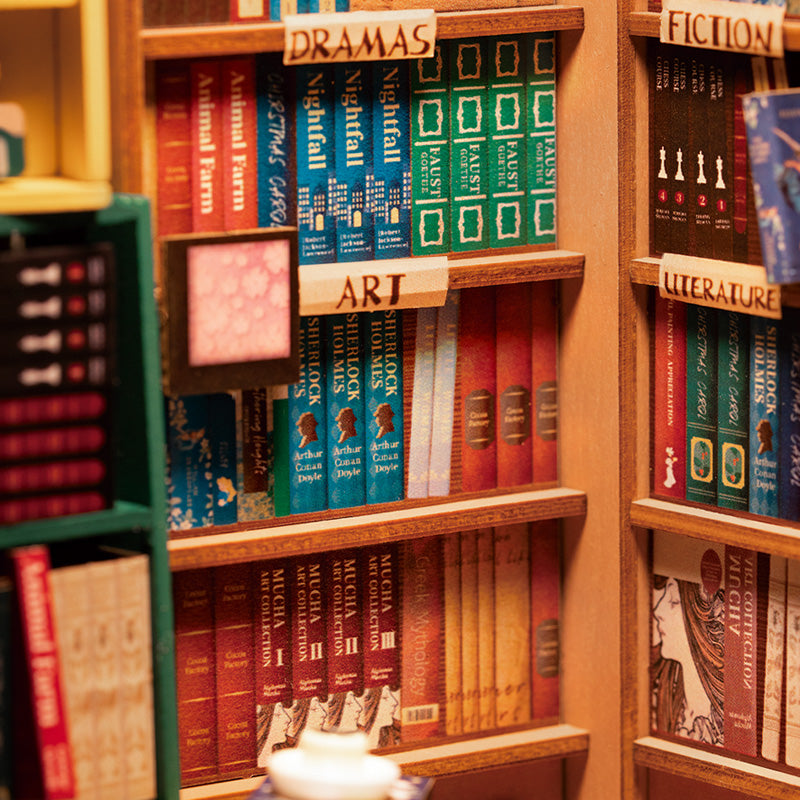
x=286, y=537
x=555, y=741
x=25, y=5
x=701, y=522
x=52, y=195
x=492, y=270
x=753, y=780
x=260, y=37
x=646, y=23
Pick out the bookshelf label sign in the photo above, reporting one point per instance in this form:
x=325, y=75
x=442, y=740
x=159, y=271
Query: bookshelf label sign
x=719, y=284
x=720, y=25
x=373, y=285
x=358, y=36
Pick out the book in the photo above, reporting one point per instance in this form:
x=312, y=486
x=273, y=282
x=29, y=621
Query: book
x=444, y=378
x=207, y=145
x=57, y=504
x=700, y=165
x=239, y=143
x=544, y=343
x=345, y=413
x=791, y=726
x=774, y=655
x=720, y=120
x=507, y=150
x=514, y=358
x=451, y=588
x=234, y=613
x=733, y=420
x=789, y=414
x=742, y=186
x=353, y=158
x=541, y=154
x=52, y=408
x=280, y=439
x=422, y=620
x=173, y=102
x=669, y=398
x=308, y=466
x=222, y=436
x=765, y=436
x=469, y=134
x=430, y=144
x=772, y=140
x=477, y=367
x=31, y=568
x=659, y=177
x=384, y=407
x=256, y=461
x=545, y=615
x=391, y=158
x=470, y=654
x=487, y=665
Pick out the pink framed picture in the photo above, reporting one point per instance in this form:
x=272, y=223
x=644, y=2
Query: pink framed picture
x=232, y=310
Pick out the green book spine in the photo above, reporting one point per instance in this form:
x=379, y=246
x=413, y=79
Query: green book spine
x=469, y=134
x=507, y=145
x=541, y=103
x=733, y=409
x=701, y=404
x=430, y=154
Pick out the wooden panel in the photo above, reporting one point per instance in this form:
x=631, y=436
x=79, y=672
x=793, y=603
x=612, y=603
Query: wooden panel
x=491, y=270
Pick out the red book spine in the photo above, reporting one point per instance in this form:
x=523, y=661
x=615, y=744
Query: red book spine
x=51, y=475
x=173, y=147
x=545, y=589
x=239, y=135
x=742, y=84
x=477, y=365
x=423, y=621
x=52, y=441
x=195, y=665
x=669, y=398
x=273, y=672
x=207, y=147
x=236, y=707
x=514, y=383
x=52, y=505
x=544, y=343
x=31, y=568
x=380, y=717
x=19, y=411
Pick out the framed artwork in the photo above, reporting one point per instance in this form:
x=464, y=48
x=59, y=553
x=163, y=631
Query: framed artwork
x=232, y=310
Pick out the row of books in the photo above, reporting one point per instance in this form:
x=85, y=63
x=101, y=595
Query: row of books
x=76, y=678
x=56, y=376
x=724, y=658
x=725, y=411
x=389, y=405
x=194, y=12
x=411, y=641
x=370, y=160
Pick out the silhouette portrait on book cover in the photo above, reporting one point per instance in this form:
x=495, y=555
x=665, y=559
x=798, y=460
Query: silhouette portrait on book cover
x=687, y=660
x=764, y=433
x=670, y=462
x=346, y=422
x=378, y=718
x=307, y=425
x=383, y=416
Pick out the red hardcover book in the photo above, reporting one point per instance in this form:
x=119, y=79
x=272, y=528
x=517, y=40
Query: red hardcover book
x=380, y=715
x=47, y=409
x=669, y=398
x=195, y=672
x=173, y=147
x=234, y=594
x=207, y=146
x=48, y=442
x=544, y=344
x=273, y=668
x=239, y=138
x=545, y=592
x=52, y=505
x=31, y=569
x=514, y=384
x=477, y=365
x=423, y=622
x=470, y=640
x=51, y=475
x=742, y=185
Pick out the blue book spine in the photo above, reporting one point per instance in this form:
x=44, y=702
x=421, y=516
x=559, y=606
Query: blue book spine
x=346, y=423
x=276, y=196
x=789, y=452
x=392, y=159
x=256, y=457
x=353, y=127
x=222, y=433
x=342, y=5
x=316, y=174
x=189, y=490
x=385, y=428
x=308, y=461
x=764, y=432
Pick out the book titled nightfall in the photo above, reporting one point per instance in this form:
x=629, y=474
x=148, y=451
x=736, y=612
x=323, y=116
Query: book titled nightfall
x=773, y=141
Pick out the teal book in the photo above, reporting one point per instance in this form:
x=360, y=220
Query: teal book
x=383, y=336
x=430, y=148
x=733, y=421
x=280, y=449
x=255, y=455
x=308, y=458
x=541, y=155
x=701, y=404
x=222, y=433
x=345, y=420
x=507, y=141
x=764, y=406
x=469, y=142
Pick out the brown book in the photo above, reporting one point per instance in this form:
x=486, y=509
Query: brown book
x=451, y=562
x=544, y=342
x=487, y=686
x=545, y=605
x=469, y=633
